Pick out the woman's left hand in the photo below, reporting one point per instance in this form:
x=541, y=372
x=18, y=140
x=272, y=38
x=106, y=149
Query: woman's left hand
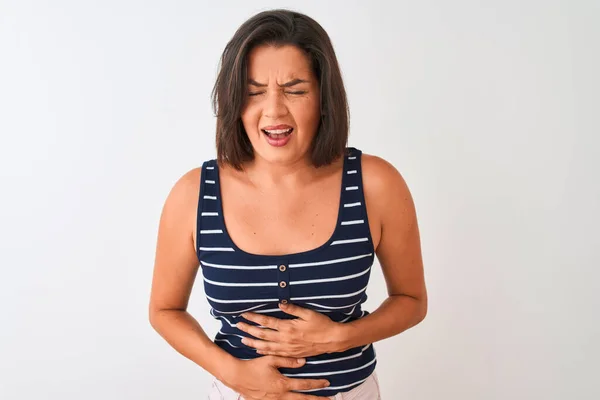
x=311, y=334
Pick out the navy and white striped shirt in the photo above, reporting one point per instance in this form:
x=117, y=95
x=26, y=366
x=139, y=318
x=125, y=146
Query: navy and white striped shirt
x=330, y=279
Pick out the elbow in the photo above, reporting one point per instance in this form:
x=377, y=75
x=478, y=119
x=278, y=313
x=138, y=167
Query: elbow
x=422, y=310
x=157, y=315
x=422, y=315
x=154, y=315
x=152, y=318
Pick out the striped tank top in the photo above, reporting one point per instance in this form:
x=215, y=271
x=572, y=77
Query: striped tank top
x=330, y=279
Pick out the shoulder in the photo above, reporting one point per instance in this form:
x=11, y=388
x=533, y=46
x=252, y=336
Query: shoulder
x=182, y=198
x=384, y=186
x=381, y=177
x=186, y=185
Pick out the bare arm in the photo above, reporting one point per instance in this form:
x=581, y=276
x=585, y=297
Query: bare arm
x=398, y=252
x=175, y=269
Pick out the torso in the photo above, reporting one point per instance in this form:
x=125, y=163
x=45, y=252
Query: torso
x=285, y=221
x=303, y=245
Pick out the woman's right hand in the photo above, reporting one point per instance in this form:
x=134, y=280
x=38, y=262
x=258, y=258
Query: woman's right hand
x=259, y=379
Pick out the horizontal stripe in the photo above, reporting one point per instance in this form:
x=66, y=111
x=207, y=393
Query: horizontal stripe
x=340, y=358
x=239, y=284
x=334, y=261
x=332, y=372
x=268, y=311
x=345, y=319
x=358, y=203
x=228, y=342
x=353, y=222
x=227, y=321
x=223, y=266
x=239, y=301
x=324, y=280
x=351, y=311
x=211, y=182
x=345, y=241
x=336, y=279
x=336, y=308
x=210, y=214
x=242, y=311
x=210, y=167
x=351, y=158
x=212, y=312
x=352, y=172
x=334, y=360
x=230, y=334
x=279, y=310
x=210, y=231
x=210, y=197
x=216, y=249
x=332, y=296
x=351, y=187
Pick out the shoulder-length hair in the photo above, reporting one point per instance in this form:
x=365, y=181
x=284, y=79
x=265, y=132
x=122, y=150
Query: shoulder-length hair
x=229, y=94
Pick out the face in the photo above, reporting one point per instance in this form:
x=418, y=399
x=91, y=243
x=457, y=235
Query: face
x=282, y=112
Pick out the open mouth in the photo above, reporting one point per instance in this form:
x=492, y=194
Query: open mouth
x=277, y=133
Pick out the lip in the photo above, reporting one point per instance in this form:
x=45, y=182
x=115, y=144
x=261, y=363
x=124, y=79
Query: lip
x=278, y=142
x=273, y=127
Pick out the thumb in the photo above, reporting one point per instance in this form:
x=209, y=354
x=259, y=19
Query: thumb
x=286, y=362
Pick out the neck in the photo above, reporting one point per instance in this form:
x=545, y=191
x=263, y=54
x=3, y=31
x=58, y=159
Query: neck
x=268, y=175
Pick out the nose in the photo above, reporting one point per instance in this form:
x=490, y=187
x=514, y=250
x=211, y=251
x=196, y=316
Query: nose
x=275, y=105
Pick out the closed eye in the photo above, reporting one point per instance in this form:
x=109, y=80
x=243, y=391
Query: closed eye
x=296, y=92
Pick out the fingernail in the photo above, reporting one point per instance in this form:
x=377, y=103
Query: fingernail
x=300, y=360
x=327, y=383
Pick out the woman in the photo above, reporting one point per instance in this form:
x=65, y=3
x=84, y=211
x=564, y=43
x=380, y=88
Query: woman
x=286, y=223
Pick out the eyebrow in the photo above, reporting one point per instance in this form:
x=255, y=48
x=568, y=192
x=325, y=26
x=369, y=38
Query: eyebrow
x=293, y=82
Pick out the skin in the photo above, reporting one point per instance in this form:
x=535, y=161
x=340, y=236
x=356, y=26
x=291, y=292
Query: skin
x=282, y=205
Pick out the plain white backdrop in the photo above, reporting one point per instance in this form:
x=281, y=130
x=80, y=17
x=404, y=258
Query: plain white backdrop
x=490, y=110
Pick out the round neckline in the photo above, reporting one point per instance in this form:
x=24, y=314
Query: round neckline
x=325, y=245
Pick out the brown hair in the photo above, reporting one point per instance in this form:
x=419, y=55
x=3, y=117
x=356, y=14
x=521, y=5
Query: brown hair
x=278, y=28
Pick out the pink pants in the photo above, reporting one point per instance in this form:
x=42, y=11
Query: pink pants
x=368, y=390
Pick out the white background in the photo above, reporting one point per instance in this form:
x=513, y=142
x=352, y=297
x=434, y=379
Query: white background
x=489, y=110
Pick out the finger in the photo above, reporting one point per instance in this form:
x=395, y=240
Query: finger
x=261, y=344
x=286, y=362
x=260, y=333
x=307, y=384
x=292, y=309
x=263, y=320
x=279, y=354
x=275, y=353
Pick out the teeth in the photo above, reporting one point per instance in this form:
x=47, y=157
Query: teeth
x=278, y=131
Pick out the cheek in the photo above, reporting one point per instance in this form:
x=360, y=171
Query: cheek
x=250, y=118
x=308, y=117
